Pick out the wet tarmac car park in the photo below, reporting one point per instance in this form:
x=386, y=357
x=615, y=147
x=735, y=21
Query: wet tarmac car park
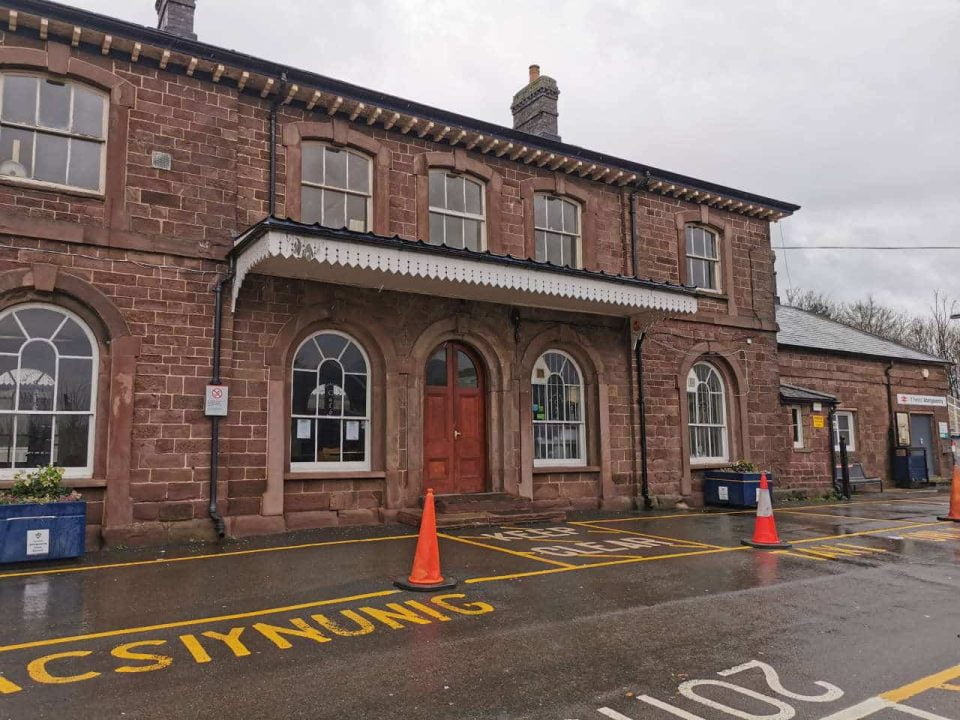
x=639, y=616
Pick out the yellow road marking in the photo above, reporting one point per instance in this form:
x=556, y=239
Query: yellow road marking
x=948, y=686
x=862, y=532
x=518, y=553
x=802, y=554
x=863, y=547
x=209, y=556
x=829, y=515
x=620, y=531
x=197, y=621
x=922, y=685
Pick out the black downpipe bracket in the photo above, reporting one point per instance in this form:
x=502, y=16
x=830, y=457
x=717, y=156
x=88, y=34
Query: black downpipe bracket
x=215, y=515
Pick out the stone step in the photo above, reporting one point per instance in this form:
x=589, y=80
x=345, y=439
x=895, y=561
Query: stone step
x=476, y=519
x=479, y=502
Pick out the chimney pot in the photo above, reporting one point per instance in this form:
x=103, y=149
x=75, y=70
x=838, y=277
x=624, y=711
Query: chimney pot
x=534, y=72
x=176, y=17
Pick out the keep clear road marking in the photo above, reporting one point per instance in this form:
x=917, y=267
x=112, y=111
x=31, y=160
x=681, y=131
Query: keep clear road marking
x=620, y=531
x=518, y=553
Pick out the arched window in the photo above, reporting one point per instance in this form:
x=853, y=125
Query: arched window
x=559, y=436
x=48, y=387
x=556, y=225
x=336, y=187
x=707, y=414
x=457, y=212
x=703, y=258
x=52, y=131
x=330, y=422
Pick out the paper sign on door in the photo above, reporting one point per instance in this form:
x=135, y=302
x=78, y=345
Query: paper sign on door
x=303, y=429
x=353, y=430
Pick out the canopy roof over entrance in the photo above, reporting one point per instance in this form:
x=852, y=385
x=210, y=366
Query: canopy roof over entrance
x=285, y=248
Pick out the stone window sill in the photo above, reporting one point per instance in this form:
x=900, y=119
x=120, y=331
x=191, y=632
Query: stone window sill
x=76, y=483
x=327, y=475
x=565, y=469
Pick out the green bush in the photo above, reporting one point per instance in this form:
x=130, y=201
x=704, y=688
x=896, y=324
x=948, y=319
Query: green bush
x=43, y=485
x=744, y=466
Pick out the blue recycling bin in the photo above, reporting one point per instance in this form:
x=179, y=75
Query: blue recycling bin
x=42, y=531
x=724, y=489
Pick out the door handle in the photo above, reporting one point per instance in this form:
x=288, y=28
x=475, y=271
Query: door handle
x=457, y=434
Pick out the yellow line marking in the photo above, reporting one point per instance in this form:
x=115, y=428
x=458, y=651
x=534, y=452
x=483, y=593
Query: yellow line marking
x=619, y=531
x=862, y=532
x=863, y=547
x=802, y=554
x=835, y=517
x=197, y=621
x=518, y=553
x=948, y=686
x=209, y=556
x=551, y=571
x=922, y=685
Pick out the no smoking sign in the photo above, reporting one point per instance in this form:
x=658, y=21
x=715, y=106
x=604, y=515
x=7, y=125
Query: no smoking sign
x=215, y=404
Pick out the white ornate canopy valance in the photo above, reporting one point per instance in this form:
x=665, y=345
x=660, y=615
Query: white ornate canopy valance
x=394, y=264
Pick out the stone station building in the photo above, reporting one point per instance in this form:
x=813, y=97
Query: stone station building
x=392, y=296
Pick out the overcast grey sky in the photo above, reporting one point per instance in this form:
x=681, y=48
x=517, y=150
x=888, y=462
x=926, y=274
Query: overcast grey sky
x=850, y=108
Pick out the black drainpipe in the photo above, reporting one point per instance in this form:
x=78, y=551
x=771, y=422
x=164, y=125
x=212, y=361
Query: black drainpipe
x=633, y=231
x=831, y=421
x=891, y=412
x=641, y=400
x=274, y=108
x=215, y=380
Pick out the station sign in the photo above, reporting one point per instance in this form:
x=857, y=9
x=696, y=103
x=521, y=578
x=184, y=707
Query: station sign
x=924, y=400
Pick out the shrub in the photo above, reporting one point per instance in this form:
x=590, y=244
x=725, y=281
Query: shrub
x=43, y=485
x=744, y=466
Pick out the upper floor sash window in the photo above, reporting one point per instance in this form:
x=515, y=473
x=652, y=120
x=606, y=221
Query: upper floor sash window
x=457, y=211
x=336, y=187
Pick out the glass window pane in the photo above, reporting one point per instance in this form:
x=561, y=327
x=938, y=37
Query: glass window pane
x=308, y=357
x=354, y=441
x=455, y=199
x=541, y=251
x=75, y=385
x=72, y=340
x=20, y=99
x=436, y=229
x=34, y=435
x=569, y=250
x=8, y=381
x=437, y=184
x=39, y=322
x=311, y=201
x=454, y=231
x=11, y=337
x=328, y=440
x=331, y=345
x=689, y=234
x=355, y=389
x=554, y=249
x=540, y=210
x=334, y=208
x=6, y=441
x=37, y=376
x=356, y=213
x=352, y=360
x=466, y=371
x=54, y=105
x=302, y=440
x=312, y=163
x=554, y=213
x=709, y=245
x=471, y=234
x=85, y=164
x=437, y=368
x=87, y=112
x=358, y=169
x=570, y=223
x=16, y=149
x=51, y=155
x=539, y=442
x=336, y=167
x=71, y=440
x=304, y=384
x=474, y=199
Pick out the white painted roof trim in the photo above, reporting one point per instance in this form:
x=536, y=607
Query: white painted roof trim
x=399, y=261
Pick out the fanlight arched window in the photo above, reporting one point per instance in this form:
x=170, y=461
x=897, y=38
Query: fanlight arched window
x=707, y=414
x=330, y=420
x=559, y=436
x=48, y=386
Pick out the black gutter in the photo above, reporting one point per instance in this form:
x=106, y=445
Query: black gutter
x=641, y=401
x=215, y=515
x=257, y=231
x=389, y=103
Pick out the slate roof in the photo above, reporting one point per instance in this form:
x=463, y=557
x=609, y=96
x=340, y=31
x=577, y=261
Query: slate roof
x=802, y=329
x=797, y=394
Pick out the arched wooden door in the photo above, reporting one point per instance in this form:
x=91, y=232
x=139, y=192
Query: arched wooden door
x=454, y=422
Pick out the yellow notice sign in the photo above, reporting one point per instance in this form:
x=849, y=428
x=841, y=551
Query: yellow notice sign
x=819, y=421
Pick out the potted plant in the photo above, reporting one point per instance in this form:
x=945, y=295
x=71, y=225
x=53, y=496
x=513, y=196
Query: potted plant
x=40, y=518
x=733, y=485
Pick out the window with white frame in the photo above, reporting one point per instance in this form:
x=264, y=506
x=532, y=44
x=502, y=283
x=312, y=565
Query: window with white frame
x=556, y=224
x=330, y=418
x=52, y=131
x=457, y=212
x=335, y=190
x=48, y=388
x=796, y=425
x=559, y=431
x=707, y=414
x=843, y=427
x=703, y=258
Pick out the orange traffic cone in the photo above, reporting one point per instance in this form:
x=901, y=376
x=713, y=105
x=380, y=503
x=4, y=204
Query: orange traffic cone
x=765, y=531
x=425, y=575
x=954, y=513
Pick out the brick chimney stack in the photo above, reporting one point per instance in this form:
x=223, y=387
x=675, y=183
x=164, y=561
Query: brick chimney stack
x=176, y=17
x=534, y=107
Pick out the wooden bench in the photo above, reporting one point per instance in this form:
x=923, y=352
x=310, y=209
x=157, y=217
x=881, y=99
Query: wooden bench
x=857, y=477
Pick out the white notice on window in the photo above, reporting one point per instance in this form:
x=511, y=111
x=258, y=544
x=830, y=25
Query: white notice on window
x=303, y=429
x=38, y=542
x=353, y=430
x=723, y=492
